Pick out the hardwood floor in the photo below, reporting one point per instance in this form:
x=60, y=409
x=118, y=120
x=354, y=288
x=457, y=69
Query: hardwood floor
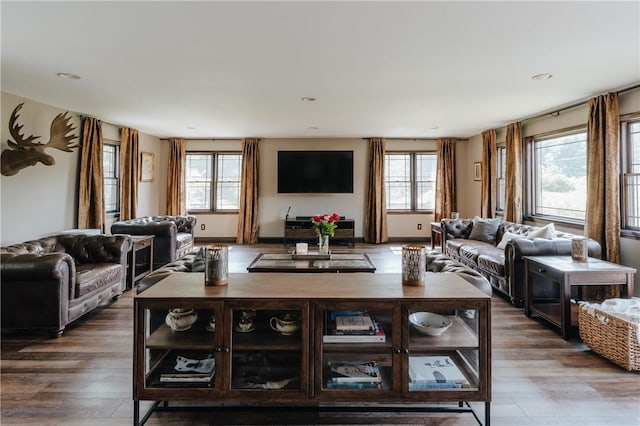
x=85, y=376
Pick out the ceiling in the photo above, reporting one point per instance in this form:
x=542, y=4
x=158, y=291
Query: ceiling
x=394, y=69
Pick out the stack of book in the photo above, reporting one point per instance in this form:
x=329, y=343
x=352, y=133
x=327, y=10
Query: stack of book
x=435, y=372
x=354, y=375
x=352, y=327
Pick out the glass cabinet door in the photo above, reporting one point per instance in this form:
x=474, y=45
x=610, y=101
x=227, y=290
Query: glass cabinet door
x=269, y=348
x=356, y=348
x=182, y=345
x=443, y=348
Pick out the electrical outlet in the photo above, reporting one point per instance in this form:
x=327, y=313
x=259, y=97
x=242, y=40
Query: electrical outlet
x=419, y=227
x=202, y=227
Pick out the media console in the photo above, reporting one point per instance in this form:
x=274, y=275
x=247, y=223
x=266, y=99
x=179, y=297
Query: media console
x=301, y=229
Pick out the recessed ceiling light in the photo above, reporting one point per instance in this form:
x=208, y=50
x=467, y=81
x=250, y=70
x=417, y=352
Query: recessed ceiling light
x=543, y=76
x=308, y=99
x=434, y=128
x=313, y=127
x=191, y=128
x=68, y=76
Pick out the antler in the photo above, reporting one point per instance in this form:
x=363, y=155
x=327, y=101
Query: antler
x=14, y=129
x=60, y=138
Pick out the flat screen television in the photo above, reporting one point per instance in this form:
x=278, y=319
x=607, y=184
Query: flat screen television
x=327, y=172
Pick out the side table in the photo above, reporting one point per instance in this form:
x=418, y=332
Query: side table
x=566, y=277
x=140, y=259
x=436, y=231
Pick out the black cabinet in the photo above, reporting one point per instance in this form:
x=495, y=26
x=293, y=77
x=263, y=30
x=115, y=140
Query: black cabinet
x=301, y=229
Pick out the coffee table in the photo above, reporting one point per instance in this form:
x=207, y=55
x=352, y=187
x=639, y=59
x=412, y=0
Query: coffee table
x=339, y=262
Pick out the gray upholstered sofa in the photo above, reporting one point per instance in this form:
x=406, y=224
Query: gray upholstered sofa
x=50, y=282
x=499, y=258
x=173, y=235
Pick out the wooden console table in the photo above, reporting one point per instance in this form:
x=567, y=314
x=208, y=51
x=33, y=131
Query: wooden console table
x=570, y=280
x=255, y=364
x=436, y=231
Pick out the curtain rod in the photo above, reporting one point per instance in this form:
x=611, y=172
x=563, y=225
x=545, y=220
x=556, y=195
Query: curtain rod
x=556, y=112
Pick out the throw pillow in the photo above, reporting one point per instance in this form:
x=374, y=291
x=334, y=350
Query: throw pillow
x=548, y=232
x=508, y=236
x=484, y=229
x=198, y=261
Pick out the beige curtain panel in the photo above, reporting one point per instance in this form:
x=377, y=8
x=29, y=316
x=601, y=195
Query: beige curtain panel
x=489, y=174
x=603, y=171
x=445, y=178
x=248, y=214
x=91, y=213
x=375, y=218
x=176, y=202
x=513, y=175
x=128, y=174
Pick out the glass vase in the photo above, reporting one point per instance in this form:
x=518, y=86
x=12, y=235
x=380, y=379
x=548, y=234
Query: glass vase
x=323, y=244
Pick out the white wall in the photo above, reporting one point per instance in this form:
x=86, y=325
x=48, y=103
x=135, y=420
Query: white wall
x=42, y=200
x=36, y=201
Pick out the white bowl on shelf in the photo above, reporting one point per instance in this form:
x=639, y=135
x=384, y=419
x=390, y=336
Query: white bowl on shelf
x=430, y=323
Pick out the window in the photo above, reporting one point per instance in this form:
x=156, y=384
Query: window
x=111, y=175
x=410, y=180
x=213, y=181
x=558, y=176
x=501, y=172
x=631, y=174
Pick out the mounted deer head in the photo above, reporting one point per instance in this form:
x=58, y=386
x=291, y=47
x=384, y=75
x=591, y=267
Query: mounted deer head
x=25, y=152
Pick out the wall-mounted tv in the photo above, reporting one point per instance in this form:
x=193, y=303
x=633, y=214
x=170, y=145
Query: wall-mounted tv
x=325, y=172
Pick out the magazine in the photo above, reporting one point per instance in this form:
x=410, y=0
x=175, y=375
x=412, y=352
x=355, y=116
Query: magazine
x=362, y=322
x=435, y=369
x=189, y=370
x=354, y=371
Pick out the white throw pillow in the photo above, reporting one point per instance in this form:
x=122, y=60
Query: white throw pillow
x=548, y=231
x=508, y=236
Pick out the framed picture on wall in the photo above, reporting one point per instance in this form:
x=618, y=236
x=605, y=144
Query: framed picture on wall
x=146, y=166
x=477, y=171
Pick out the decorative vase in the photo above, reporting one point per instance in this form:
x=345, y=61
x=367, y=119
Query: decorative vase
x=323, y=244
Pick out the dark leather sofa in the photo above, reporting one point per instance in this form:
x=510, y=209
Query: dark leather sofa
x=173, y=235
x=504, y=268
x=50, y=282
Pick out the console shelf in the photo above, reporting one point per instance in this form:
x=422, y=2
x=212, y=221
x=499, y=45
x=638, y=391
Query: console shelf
x=282, y=358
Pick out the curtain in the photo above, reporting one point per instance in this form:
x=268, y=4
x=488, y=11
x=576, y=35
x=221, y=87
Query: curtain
x=445, y=178
x=375, y=217
x=513, y=185
x=128, y=174
x=91, y=191
x=602, y=221
x=176, y=203
x=489, y=169
x=248, y=214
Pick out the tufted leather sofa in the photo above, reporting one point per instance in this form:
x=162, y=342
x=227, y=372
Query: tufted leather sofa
x=504, y=268
x=50, y=282
x=173, y=235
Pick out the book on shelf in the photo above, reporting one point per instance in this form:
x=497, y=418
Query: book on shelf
x=354, y=372
x=335, y=336
x=353, y=385
x=187, y=368
x=437, y=370
x=354, y=323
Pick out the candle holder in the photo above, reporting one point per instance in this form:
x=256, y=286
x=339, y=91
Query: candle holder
x=216, y=266
x=579, y=249
x=414, y=267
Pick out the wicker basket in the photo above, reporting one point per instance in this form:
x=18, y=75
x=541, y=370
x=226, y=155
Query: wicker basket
x=610, y=336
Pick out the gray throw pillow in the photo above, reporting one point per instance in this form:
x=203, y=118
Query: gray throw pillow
x=198, y=261
x=484, y=229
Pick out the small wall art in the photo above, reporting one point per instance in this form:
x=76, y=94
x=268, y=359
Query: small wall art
x=477, y=171
x=146, y=166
